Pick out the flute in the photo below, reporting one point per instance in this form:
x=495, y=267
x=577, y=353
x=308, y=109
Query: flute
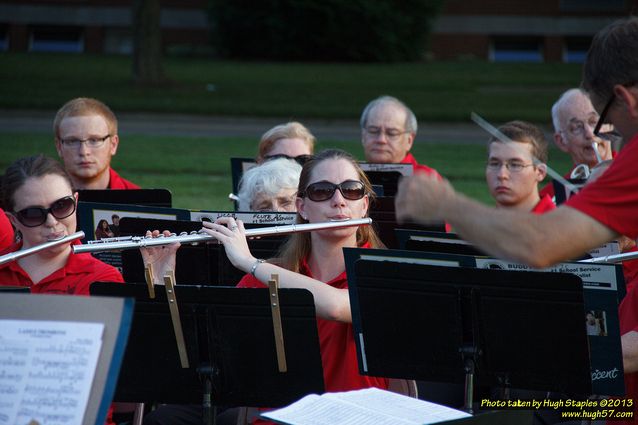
x=142, y=242
x=615, y=258
x=12, y=256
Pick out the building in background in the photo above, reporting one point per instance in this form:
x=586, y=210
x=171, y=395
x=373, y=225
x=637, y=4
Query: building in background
x=496, y=30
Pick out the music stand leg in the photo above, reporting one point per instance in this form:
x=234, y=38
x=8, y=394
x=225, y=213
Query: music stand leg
x=469, y=355
x=208, y=410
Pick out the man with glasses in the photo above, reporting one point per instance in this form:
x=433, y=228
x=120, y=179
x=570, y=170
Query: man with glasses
x=574, y=119
x=388, y=129
x=86, y=139
x=599, y=213
x=511, y=173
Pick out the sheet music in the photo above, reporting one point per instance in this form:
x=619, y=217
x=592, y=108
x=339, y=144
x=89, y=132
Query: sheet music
x=46, y=370
x=363, y=407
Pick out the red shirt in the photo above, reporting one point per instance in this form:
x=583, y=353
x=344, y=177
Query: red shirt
x=336, y=341
x=409, y=159
x=544, y=205
x=627, y=312
x=74, y=278
x=117, y=182
x=6, y=231
x=612, y=200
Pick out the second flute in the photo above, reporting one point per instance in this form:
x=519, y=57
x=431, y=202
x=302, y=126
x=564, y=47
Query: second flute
x=141, y=242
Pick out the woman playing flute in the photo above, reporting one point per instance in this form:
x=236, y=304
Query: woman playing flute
x=332, y=186
x=41, y=204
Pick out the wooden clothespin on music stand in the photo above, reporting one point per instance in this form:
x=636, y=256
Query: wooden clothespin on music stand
x=169, y=283
x=273, y=290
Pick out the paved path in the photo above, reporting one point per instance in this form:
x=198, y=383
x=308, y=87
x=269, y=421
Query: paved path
x=214, y=126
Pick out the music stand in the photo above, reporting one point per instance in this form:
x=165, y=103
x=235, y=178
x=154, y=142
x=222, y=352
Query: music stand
x=495, y=325
x=382, y=213
x=149, y=197
x=450, y=243
x=229, y=340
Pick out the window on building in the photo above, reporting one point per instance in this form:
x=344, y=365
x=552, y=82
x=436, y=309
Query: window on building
x=608, y=6
x=575, y=49
x=516, y=49
x=56, y=39
x=4, y=38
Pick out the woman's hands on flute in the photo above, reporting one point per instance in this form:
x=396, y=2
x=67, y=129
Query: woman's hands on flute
x=232, y=235
x=161, y=258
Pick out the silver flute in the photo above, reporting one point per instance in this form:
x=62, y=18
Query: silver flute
x=134, y=242
x=614, y=258
x=12, y=256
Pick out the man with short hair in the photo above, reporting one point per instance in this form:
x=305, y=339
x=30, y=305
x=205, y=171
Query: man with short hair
x=515, y=169
x=86, y=139
x=574, y=118
x=597, y=214
x=388, y=129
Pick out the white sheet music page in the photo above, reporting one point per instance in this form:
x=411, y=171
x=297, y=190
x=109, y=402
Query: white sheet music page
x=46, y=370
x=363, y=407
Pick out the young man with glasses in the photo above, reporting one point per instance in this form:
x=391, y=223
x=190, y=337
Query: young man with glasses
x=511, y=172
x=574, y=119
x=86, y=139
x=388, y=129
x=599, y=213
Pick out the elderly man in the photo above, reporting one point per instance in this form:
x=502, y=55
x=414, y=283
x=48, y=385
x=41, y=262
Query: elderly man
x=512, y=174
x=574, y=119
x=599, y=213
x=388, y=129
x=86, y=139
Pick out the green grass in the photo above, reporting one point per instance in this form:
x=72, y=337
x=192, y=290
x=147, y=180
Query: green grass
x=197, y=170
x=437, y=91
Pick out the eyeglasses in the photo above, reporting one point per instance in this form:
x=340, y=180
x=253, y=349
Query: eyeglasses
x=391, y=134
x=35, y=216
x=577, y=128
x=322, y=191
x=512, y=166
x=91, y=142
x=301, y=159
x=603, y=115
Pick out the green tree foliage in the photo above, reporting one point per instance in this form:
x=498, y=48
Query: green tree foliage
x=323, y=30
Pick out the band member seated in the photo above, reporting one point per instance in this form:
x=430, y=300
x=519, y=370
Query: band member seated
x=514, y=169
x=86, y=139
x=41, y=205
x=291, y=140
x=270, y=186
x=332, y=186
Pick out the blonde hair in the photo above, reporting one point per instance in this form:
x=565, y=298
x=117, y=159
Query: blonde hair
x=298, y=246
x=81, y=107
x=290, y=130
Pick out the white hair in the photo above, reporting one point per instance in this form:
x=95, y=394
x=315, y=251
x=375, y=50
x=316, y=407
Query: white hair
x=562, y=103
x=268, y=178
x=410, y=119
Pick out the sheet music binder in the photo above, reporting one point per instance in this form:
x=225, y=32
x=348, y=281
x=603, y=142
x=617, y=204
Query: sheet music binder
x=226, y=328
x=148, y=197
x=116, y=314
x=511, y=317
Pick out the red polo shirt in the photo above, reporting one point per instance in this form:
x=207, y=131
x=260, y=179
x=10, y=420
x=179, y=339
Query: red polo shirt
x=6, y=231
x=117, y=182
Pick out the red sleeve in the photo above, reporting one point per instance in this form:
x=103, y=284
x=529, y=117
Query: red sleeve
x=6, y=231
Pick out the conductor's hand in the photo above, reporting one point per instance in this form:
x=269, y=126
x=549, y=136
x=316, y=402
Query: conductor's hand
x=421, y=198
x=161, y=257
x=232, y=235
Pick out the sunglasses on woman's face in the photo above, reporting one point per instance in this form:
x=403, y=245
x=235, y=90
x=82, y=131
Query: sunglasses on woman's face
x=322, y=191
x=301, y=159
x=35, y=216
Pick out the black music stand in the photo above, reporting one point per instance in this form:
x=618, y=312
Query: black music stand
x=229, y=339
x=508, y=329
x=149, y=197
x=449, y=243
x=382, y=213
x=205, y=263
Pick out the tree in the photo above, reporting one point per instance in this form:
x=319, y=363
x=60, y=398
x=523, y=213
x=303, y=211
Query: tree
x=147, y=42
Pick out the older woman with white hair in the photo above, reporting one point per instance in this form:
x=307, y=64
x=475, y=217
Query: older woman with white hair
x=270, y=186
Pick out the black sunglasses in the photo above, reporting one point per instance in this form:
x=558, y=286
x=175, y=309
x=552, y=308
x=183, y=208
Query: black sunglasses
x=301, y=159
x=322, y=191
x=35, y=216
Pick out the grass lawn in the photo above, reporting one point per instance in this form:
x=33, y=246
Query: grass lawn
x=436, y=91
x=197, y=170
